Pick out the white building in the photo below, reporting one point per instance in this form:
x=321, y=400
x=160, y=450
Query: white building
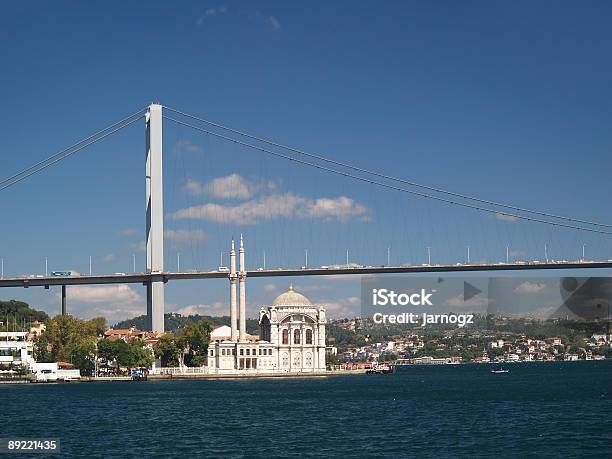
x=16, y=350
x=291, y=339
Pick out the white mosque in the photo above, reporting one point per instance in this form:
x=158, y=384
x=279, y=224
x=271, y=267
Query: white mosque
x=291, y=337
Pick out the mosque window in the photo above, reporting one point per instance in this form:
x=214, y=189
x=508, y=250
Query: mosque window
x=308, y=336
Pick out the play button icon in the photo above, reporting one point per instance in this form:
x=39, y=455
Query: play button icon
x=469, y=291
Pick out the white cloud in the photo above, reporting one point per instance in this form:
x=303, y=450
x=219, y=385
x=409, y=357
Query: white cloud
x=274, y=23
x=186, y=146
x=506, y=218
x=181, y=235
x=343, y=307
x=128, y=232
x=109, y=257
x=216, y=309
x=530, y=287
x=211, y=12
x=342, y=208
x=472, y=304
x=275, y=206
x=109, y=294
x=139, y=246
x=231, y=186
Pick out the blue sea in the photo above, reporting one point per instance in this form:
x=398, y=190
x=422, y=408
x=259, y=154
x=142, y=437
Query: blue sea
x=559, y=409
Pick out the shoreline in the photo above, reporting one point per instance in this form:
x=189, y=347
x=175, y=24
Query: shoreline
x=320, y=374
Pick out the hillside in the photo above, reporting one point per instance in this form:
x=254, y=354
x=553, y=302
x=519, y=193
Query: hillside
x=19, y=312
x=175, y=322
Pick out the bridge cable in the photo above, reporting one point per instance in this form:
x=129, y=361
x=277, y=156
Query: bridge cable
x=41, y=165
x=384, y=185
x=387, y=177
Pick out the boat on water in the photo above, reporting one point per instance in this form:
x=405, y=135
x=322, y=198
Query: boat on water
x=500, y=370
x=381, y=370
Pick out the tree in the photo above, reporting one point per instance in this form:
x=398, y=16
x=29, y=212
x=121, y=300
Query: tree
x=194, y=342
x=138, y=355
x=167, y=349
x=83, y=356
x=132, y=354
x=13, y=314
x=69, y=339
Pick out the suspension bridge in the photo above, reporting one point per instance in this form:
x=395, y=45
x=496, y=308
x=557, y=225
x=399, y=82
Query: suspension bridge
x=155, y=276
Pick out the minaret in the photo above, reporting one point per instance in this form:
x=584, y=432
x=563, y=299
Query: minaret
x=233, y=305
x=242, y=289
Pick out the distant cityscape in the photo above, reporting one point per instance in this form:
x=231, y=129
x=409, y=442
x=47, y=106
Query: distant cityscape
x=492, y=340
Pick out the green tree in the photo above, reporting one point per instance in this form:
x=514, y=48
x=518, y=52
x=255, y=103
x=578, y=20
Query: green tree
x=83, y=356
x=194, y=342
x=138, y=355
x=167, y=349
x=69, y=339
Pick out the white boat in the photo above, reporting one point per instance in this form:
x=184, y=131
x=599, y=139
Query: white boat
x=501, y=370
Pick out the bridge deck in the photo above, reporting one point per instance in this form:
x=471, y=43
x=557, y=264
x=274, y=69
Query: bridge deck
x=42, y=281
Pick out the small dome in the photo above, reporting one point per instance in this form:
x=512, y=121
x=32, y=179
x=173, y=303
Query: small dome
x=291, y=298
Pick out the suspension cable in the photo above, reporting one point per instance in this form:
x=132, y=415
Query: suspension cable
x=385, y=176
x=381, y=184
x=41, y=165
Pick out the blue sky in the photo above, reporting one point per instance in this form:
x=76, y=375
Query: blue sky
x=509, y=101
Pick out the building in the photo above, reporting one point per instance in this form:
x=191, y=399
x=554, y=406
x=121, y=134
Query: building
x=291, y=337
x=125, y=334
x=16, y=350
x=37, y=328
x=54, y=371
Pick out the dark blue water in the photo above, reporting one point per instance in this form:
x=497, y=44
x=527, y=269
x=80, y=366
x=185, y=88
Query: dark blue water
x=538, y=409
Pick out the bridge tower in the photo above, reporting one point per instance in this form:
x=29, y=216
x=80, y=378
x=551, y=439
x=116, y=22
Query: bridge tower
x=155, y=219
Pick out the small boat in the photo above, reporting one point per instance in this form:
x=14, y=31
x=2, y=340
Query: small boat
x=501, y=370
x=381, y=370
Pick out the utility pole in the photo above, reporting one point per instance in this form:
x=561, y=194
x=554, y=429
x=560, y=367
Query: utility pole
x=468, y=258
x=546, y=252
x=46, y=272
x=2, y=274
x=388, y=256
x=306, y=255
x=347, y=257
x=507, y=254
x=178, y=262
x=264, y=259
x=583, y=252
x=90, y=265
x=134, y=261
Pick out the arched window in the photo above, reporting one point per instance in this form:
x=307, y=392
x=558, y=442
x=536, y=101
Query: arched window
x=285, y=336
x=296, y=337
x=308, y=336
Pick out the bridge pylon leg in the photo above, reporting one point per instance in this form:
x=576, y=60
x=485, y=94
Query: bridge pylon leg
x=154, y=219
x=155, y=306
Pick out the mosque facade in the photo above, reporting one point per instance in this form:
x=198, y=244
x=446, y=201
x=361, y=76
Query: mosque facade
x=291, y=332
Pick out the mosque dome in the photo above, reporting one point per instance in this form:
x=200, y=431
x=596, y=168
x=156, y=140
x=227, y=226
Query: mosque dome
x=291, y=298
